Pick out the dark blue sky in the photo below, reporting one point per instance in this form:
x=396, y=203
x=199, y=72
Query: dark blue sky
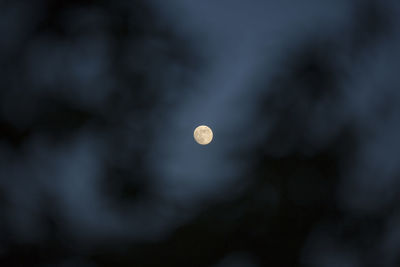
x=99, y=100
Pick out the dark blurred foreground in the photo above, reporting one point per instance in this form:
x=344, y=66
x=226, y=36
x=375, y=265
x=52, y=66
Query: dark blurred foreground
x=98, y=101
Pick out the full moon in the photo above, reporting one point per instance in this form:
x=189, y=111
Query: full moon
x=203, y=135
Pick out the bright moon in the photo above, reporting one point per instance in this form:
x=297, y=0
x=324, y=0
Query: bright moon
x=203, y=135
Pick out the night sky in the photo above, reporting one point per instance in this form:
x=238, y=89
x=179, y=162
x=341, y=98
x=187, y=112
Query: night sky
x=99, y=101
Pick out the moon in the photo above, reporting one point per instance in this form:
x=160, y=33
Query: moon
x=203, y=135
